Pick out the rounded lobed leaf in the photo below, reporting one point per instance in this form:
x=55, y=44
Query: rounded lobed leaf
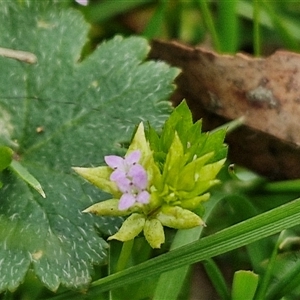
x=61, y=112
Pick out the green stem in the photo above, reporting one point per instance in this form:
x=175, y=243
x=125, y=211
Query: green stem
x=283, y=186
x=209, y=23
x=230, y=126
x=124, y=255
x=228, y=25
x=155, y=25
x=217, y=278
x=285, y=35
x=121, y=264
x=256, y=28
x=263, y=286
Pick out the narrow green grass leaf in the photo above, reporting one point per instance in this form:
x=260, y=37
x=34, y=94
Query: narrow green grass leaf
x=217, y=279
x=245, y=9
x=209, y=22
x=154, y=26
x=285, y=276
x=230, y=126
x=228, y=26
x=286, y=186
x=280, y=26
x=265, y=280
x=256, y=29
x=236, y=236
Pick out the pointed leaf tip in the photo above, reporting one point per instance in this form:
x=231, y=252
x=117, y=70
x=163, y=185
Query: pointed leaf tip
x=107, y=208
x=131, y=227
x=27, y=177
x=100, y=177
x=154, y=233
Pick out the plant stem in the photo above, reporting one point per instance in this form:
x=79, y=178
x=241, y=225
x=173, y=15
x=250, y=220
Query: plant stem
x=124, y=255
x=256, y=29
x=228, y=26
x=217, y=278
x=155, y=25
x=263, y=286
x=286, y=186
x=208, y=20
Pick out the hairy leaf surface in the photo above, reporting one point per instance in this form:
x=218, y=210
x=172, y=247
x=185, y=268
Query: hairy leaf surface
x=61, y=112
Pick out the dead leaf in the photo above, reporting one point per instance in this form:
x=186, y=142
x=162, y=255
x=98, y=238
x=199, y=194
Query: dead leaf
x=266, y=91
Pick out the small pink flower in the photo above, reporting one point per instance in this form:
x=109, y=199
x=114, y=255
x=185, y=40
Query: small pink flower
x=130, y=177
x=139, y=176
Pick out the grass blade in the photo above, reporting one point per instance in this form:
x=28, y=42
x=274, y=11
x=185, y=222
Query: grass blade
x=236, y=236
x=256, y=29
x=217, y=279
x=209, y=22
x=228, y=26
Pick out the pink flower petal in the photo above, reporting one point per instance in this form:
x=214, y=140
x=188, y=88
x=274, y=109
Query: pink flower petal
x=114, y=161
x=125, y=185
x=122, y=181
x=133, y=158
x=118, y=175
x=143, y=197
x=139, y=176
x=130, y=177
x=126, y=201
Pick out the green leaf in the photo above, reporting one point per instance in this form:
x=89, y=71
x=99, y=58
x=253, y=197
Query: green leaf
x=180, y=121
x=194, y=142
x=283, y=269
x=213, y=142
x=105, y=10
x=27, y=177
x=154, y=233
x=5, y=157
x=63, y=112
x=131, y=227
x=244, y=285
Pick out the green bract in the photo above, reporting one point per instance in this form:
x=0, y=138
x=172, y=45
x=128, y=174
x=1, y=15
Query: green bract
x=181, y=165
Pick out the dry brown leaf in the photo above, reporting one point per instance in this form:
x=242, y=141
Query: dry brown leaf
x=266, y=91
